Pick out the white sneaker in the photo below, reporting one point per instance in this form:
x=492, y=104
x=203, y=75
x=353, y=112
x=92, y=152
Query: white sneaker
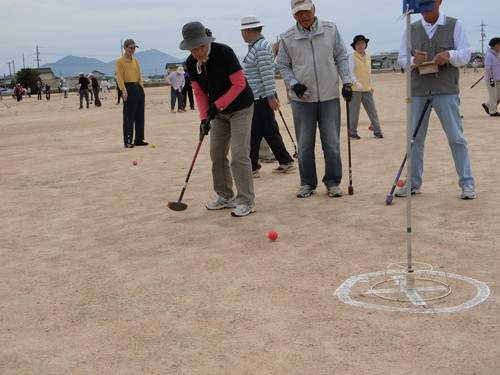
x=305, y=191
x=283, y=168
x=220, y=203
x=334, y=191
x=402, y=191
x=243, y=210
x=468, y=192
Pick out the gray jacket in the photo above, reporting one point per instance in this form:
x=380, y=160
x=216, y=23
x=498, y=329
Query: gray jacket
x=315, y=61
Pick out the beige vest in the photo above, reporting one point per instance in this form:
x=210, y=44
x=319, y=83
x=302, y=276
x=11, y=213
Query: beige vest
x=362, y=69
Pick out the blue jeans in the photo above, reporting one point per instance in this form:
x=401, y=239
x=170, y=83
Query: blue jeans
x=326, y=117
x=447, y=108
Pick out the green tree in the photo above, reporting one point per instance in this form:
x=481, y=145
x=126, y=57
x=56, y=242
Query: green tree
x=28, y=77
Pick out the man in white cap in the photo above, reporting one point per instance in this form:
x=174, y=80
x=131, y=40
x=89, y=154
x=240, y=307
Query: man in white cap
x=259, y=67
x=176, y=81
x=129, y=80
x=311, y=58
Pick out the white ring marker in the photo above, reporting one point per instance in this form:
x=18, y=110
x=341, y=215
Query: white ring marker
x=343, y=293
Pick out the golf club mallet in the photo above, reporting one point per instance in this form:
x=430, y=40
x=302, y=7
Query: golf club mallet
x=390, y=196
x=479, y=80
x=178, y=205
x=295, y=154
x=350, y=189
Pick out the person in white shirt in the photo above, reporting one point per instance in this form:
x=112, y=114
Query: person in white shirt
x=443, y=41
x=105, y=88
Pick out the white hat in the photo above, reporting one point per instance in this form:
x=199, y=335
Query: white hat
x=180, y=70
x=298, y=5
x=250, y=22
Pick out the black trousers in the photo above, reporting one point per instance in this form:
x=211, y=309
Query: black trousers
x=264, y=125
x=97, y=101
x=187, y=90
x=133, y=113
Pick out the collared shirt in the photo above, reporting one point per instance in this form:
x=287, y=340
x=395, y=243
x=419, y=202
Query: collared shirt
x=128, y=70
x=492, y=63
x=352, y=67
x=176, y=80
x=459, y=56
x=259, y=67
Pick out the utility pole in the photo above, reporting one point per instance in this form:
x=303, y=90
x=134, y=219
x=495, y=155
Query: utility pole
x=483, y=37
x=121, y=47
x=13, y=67
x=37, y=58
x=10, y=72
x=23, y=62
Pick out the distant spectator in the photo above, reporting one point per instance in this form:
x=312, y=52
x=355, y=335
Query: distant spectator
x=39, y=91
x=104, y=87
x=47, y=92
x=18, y=92
x=187, y=90
x=95, y=89
x=176, y=82
x=83, y=89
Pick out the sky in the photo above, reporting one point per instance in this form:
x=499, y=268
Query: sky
x=95, y=29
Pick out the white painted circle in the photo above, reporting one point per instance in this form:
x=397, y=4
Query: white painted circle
x=343, y=293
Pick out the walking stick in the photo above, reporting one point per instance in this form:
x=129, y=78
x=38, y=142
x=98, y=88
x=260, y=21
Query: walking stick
x=350, y=189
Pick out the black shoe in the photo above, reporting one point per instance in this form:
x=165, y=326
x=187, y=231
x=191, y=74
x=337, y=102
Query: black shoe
x=129, y=145
x=486, y=109
x=140, y=143
x=495, y=114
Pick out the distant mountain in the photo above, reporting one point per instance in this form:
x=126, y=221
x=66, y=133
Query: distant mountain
x=152, y=63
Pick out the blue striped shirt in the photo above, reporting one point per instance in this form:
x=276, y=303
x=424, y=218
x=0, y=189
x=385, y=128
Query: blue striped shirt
x=259, y=67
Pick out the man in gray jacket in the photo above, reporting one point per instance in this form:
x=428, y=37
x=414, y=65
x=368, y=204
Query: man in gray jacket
x=311, y=58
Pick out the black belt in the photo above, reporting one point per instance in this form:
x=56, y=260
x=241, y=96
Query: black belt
x=132, y=83
x=260, y=99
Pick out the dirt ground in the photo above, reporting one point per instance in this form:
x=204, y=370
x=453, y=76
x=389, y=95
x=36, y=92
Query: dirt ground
x=98, y=276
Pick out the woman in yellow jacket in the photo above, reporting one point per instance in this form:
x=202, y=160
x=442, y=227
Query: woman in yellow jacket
x=360, y=69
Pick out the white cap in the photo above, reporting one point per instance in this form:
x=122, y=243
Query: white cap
x=298, y=5
x=250, y=22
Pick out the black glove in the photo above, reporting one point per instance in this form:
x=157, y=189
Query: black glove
x=212, y=112
x=299, y=90
x=204, y=128
x=347, y=92
x=492, y=82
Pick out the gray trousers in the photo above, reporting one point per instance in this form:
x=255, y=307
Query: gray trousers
x=232, y=131
x=365, y=97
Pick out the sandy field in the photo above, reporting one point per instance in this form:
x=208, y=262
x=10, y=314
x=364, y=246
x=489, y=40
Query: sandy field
x=98, y=276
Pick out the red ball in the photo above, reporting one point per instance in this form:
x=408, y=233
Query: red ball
x=400, y=183
x=134, y=162
x=273, y=235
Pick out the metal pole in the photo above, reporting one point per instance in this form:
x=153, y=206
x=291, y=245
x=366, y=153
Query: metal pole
x=408, y=141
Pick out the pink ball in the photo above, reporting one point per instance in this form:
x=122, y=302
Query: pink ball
x=134, y=162
x=400, y=183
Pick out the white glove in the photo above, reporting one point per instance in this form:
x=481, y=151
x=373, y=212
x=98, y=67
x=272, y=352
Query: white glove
x=358, y=85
